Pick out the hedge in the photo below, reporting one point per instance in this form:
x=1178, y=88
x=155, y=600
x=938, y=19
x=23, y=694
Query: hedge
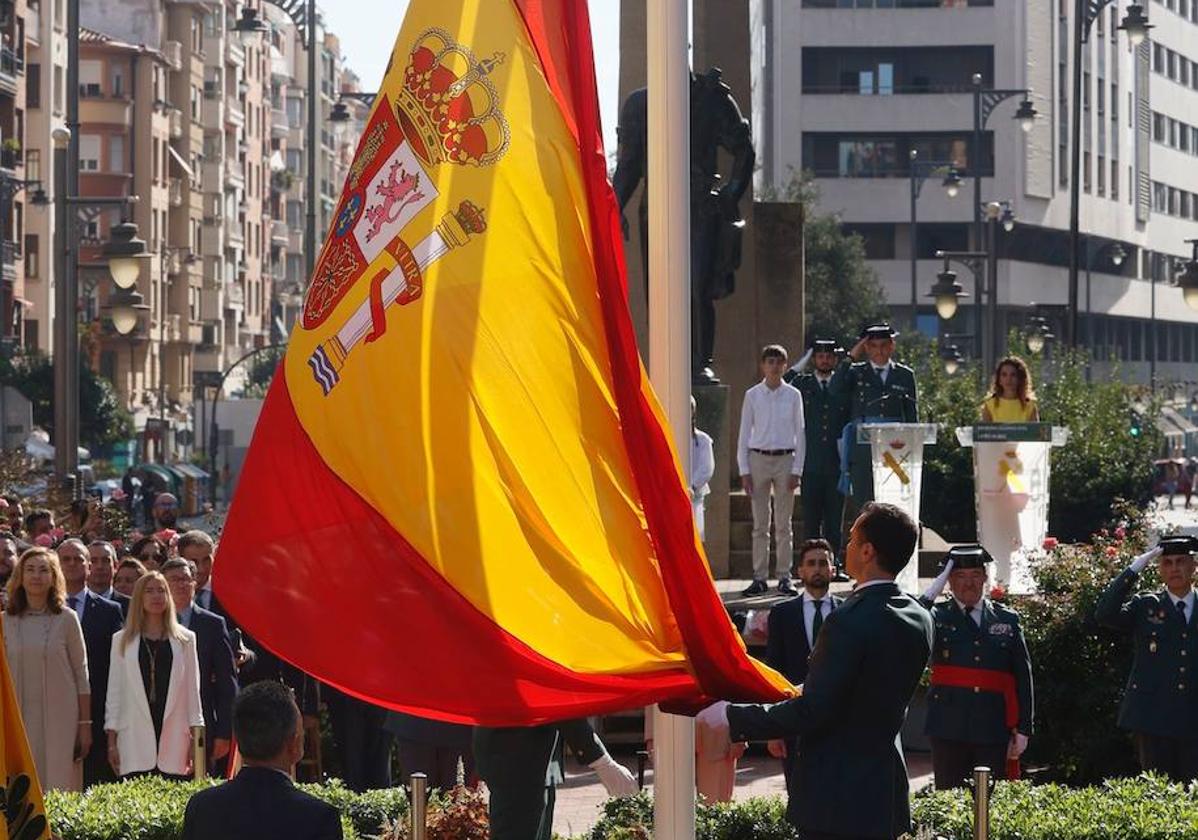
x=1143, y=808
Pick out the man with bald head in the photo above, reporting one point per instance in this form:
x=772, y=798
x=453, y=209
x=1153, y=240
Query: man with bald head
x=100, y=618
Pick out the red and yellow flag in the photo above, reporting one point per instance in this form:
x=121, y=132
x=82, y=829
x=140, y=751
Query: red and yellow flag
x=22, y=811
x=461, y=499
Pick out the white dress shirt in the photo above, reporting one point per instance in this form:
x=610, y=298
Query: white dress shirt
x=1189, y=602
x=884, y=371
x=702, y=464
x=771, y=418
x=80, y=602
x=809, y=613
x=975, y=613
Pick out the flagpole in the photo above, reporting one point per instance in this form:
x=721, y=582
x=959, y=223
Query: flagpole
x=670, y=342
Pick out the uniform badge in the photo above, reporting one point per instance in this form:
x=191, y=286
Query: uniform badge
x=1156, y=617
x=1001, y=630
x=1152, y=646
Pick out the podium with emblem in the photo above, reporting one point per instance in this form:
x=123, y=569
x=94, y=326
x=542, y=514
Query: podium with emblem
x=1011, y=470
x=896, y=451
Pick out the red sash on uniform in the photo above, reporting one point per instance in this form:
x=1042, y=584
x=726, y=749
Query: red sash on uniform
x=985, y=679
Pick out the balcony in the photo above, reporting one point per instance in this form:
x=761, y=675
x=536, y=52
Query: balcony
x=176, y=124
x=280, y=234
x=105, y=110
x=10, y=158
x=278, y=124
x=234, y=115
x=10, y=256
x=234, y=176
x=213, y=115
x=175, y=192
x=234, y=295
x=235, y=51
x=172, y=51
x=11, y=66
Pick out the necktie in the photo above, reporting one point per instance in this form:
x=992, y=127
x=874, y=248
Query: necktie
x=1181, y=610
x=823, y=386
x=818, y=620
x=73, y=601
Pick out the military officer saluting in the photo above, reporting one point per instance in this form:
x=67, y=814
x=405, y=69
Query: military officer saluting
x=1159, y=702
x=825, y=412
x=876, y=389
x=980, y=706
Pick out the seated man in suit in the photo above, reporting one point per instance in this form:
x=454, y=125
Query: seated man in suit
x=218, y=681
x=850, y=779
x=794, y=626
x=260, y=802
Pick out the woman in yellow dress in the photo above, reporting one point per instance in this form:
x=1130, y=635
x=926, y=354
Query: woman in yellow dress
x=1011, y=398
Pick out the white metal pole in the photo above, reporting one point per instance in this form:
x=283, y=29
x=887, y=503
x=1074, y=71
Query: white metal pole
x=670, y=341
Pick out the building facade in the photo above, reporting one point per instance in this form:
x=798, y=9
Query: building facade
x=849, y=89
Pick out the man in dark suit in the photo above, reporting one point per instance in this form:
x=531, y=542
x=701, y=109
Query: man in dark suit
x=876, y=389
x=523, y=765
x=850, y=780
x=260, y=802
x=825, y=411
x=218, y=681
x=198, y=548
x=795, y=624
x=980, y=705
x=100, y=619
x=101, y=555
x=1160, y=701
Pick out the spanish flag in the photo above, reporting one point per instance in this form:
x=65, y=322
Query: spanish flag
x=461, y=499
x=24, y=813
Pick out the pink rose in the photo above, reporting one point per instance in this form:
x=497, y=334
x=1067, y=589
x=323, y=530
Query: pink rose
x=1120, y=532
x=58, y=534
x=1050, y=543
x=1111, y=551
x=118, y=544
x=3, y=503
x=118, y=495
x=997, y=593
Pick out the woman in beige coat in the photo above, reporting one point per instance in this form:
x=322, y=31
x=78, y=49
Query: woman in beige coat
x=153, y=687
x=44, y=643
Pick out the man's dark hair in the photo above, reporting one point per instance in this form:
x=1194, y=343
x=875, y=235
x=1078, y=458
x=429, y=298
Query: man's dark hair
x=891, y=532
x=773, y=351
x=34, y=516
x=812, y=545
x=178, y=563
x=265, y=718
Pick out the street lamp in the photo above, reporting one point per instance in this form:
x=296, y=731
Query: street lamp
x=985, y=101
x=920, y=171
x=1038, y=333
x=124, y=309
x=125, y=252
x=950, y=354
x=1135, y=24
x=947, y=293
x=1008, y=219
x=1187, y=281
x=249, y=26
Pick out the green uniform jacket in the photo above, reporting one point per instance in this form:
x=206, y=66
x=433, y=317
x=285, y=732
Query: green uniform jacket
x=1160, y=694
x=978, y=717
x=825, y=415
x=859, y=384
x=851, y=778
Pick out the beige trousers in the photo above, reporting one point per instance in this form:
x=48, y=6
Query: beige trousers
x=771, y=474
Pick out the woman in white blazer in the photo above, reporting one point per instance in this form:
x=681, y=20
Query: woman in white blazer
x=153, y=687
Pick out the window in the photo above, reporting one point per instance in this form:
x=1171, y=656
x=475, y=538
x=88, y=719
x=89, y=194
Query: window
x=1158, y=127
x=1160, y=197
x=878, y=239
x=33, y=164
x=1158, y=58
x=59, y=88
x=1173, y=132
x=33, y=86
x=1086, y=171
x=90, y=74
x=116, y=153
x=1101, y=175
x=31, y=267
x=1184, y=209
x=89, y=152
x=1114, y=180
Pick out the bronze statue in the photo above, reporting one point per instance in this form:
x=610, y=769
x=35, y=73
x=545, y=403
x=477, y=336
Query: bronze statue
x=716, y=223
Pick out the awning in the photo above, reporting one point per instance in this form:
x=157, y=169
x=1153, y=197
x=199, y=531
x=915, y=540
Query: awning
x=184, y=165
x=1178, y=419
x=1171, y=432
x=169, y=478
x=190, y=471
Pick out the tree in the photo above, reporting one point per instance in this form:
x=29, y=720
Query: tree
x=262, y=369
x=842, y=292
x=102, y=418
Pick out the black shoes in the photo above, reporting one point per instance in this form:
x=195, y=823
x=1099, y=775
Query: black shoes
x=786, y=587
x=757, y=587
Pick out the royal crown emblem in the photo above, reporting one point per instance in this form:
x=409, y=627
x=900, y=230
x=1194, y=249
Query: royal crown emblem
x=447, y=106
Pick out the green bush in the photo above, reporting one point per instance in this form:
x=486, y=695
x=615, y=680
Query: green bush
x=1144, y=808
x=152, y=809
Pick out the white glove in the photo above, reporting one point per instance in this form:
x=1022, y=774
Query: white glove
x=616, y=778
x=933, y=591
x=715, y=717
x=1017, y=745
x=798, y=366
x=1141, y=562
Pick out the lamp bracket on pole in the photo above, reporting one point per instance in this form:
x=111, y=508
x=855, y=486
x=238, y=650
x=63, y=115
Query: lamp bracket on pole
x=295, y=9
x=991, y=98
x=975, y=261
x=922, y=170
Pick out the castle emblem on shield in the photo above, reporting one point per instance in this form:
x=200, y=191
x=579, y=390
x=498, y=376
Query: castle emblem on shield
x=445, y=112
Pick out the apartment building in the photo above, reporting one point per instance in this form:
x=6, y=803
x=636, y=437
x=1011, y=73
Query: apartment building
x=848, y=89
x=14, y=199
